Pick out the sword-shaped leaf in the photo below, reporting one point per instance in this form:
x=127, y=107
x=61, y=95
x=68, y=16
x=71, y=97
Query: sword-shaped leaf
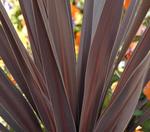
x=9, y=119
x=16, y=105
x=121, y=110
x=28, y=70
x=97, y=63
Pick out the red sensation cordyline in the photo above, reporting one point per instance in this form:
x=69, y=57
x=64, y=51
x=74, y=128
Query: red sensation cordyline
x=54, y=91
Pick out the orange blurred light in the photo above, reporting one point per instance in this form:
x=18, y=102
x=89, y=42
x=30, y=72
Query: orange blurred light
x=126, y=4
x=146, y=91
x=74, y=10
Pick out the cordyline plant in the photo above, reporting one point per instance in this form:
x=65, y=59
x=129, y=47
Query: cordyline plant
x=56, y=93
